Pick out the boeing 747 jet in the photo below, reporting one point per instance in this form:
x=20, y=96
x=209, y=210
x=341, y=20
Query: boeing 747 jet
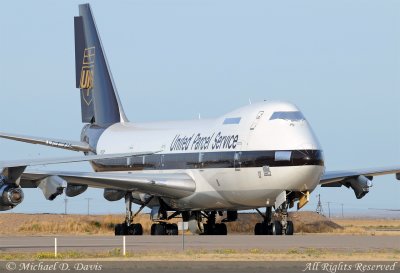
x=263, y=155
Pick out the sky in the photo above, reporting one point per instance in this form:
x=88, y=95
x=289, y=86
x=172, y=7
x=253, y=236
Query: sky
x=338, y=61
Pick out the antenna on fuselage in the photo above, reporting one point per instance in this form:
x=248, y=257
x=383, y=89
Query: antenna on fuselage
x=249, y=101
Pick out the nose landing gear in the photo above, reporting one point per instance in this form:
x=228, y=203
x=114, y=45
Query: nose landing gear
x=269, y=227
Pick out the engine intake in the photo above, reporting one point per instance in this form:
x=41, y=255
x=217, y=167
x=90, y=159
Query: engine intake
x=10, y=196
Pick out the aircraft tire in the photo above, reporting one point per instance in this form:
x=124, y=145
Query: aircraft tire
x=276, y=227
x=207, y=229
x=220, y=229
x=121, y=229
x=289, y=228
x=172, y=229
x=117, y=230
x=258, y=229
x=158, y=229
x=135, y=229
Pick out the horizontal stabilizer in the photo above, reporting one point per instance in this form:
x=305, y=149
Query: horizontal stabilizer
x=52, y=142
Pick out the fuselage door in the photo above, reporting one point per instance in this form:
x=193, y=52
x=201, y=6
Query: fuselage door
x=255, y=122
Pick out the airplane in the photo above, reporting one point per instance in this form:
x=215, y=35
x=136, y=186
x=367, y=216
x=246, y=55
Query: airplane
x=262, y=155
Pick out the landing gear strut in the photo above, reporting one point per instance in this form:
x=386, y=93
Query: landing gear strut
x=128, y=227
x=269, y=227
x=162, y=227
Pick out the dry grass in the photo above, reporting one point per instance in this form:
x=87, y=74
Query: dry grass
x=213, y=255
x=369, y=226
x=304, y=222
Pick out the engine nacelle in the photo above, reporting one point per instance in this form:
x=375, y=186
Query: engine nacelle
x=10, y=196
x=73, y=190
x=52, y=186
x=360, y=185
x=113, y=194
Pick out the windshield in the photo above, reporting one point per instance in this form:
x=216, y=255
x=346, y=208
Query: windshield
x=292, y=116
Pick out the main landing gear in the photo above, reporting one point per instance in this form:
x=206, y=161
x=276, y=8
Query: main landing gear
x=213, y=228
x=270, y=227
x=160, y=216
x=161, y=227
x=128, y=227
x=196, y=225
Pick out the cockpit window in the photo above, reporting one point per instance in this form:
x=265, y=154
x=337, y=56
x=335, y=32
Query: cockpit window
x=292, y=116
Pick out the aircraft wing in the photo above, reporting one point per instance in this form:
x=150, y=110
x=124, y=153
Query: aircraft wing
x=11, y=171
x=52, y=142
x=173, y=185
x=339, y=176
x=359, y=180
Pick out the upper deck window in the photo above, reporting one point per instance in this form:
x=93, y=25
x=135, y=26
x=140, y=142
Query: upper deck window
x=232, y=120
x=292, y=116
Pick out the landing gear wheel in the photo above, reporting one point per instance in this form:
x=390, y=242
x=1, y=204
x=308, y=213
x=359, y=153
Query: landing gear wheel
x=207, y=229
x=123, y=229
x=118, y=230
x=220, y=229
x=158, y=229
x=289, y=228
x=263, y=229
x=216, y=229
x=258, y=229
x=135, y=229
x=276, y=228
x=171, y=229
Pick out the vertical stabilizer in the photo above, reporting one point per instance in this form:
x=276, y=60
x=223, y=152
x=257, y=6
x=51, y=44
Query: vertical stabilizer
x=100, y=103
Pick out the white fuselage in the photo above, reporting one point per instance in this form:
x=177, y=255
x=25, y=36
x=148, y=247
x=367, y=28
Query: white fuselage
x=245, y=182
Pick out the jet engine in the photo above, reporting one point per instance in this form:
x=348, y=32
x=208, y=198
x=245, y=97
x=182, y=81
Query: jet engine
x=52, y=186
x=360, y=185
x=73, y=190
x=10, y=196
x=113, y=194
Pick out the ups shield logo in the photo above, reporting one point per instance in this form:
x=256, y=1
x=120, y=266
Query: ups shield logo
x=87, y=75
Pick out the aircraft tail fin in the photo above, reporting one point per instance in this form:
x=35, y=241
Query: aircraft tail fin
x=100, y=103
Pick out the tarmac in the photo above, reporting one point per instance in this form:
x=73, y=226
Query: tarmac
x=177, y=243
